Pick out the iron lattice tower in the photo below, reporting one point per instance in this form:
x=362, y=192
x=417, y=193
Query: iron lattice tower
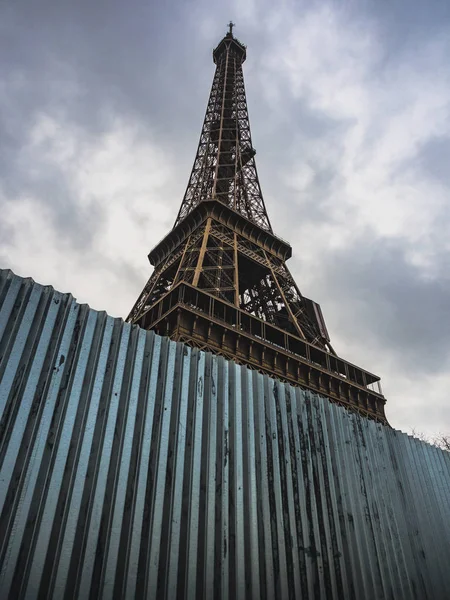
x=220, y=280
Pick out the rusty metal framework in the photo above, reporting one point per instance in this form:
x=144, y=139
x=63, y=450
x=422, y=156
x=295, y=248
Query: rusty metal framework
x=224, y=167
x=221, y=276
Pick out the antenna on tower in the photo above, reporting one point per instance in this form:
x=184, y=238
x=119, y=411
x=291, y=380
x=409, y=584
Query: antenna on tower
x=231, y=25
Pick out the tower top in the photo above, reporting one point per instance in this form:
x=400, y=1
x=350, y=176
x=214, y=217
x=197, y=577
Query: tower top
x=227, y=43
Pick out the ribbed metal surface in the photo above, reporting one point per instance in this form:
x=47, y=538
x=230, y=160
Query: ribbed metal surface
x=131, y=466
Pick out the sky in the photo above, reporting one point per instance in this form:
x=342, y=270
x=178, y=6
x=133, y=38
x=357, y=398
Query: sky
x=101, y=107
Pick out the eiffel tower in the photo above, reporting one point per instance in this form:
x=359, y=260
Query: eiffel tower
x=220, y=279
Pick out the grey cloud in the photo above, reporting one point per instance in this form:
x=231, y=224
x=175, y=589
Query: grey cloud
x=122, y=57
x=404, y=23
x=433, y=159
x=378, y=295
x=90, y=63
x=42, y=181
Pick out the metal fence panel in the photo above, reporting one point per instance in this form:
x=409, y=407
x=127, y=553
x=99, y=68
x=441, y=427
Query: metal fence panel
x=133, y=466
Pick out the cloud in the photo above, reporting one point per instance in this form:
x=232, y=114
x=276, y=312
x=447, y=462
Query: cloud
x=91, y=233
x=370, y=195
x=100, y=113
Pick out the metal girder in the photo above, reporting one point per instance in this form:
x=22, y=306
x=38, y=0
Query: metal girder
x=222, y=247
x=224, y=166
x=223, y=263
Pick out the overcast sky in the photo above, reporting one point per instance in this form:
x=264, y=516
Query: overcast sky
x=101, y=106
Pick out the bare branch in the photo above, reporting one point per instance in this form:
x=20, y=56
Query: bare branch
x=420, y=435
x=442, y=441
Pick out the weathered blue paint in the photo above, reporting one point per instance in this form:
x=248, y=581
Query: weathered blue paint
x=132, y=466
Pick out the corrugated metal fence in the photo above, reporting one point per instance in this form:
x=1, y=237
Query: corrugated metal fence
x=131, y=466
